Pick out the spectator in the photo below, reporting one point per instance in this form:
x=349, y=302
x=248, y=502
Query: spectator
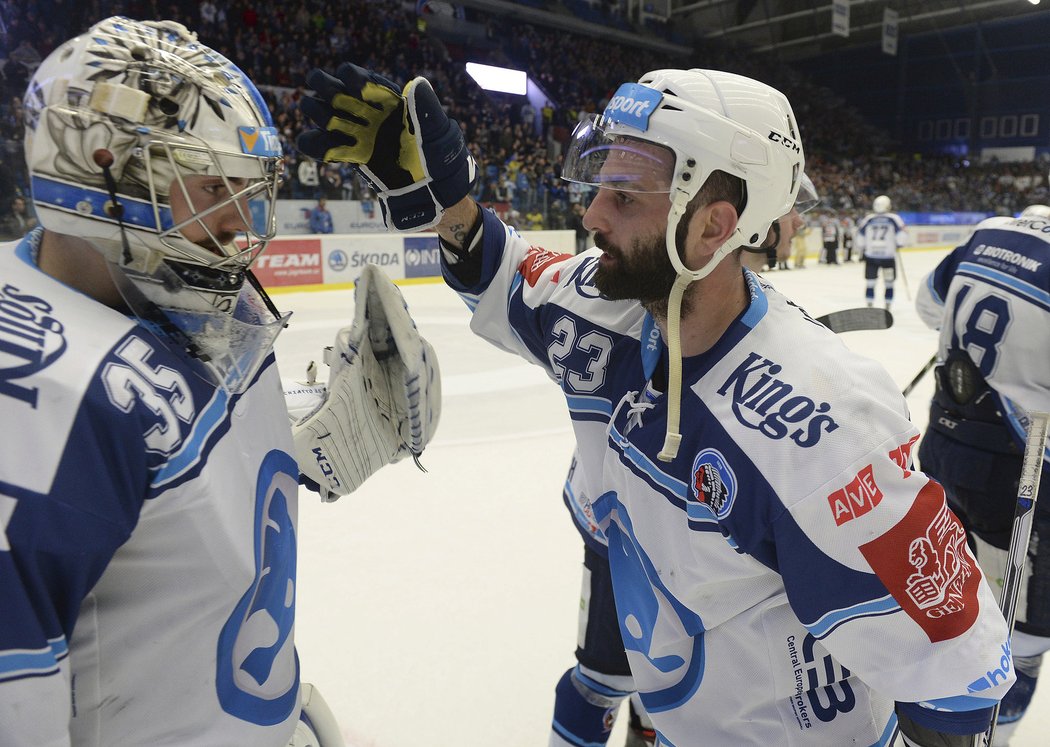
x=320, y=218
x=19, y=221
x=309, y=180
x=583, y=236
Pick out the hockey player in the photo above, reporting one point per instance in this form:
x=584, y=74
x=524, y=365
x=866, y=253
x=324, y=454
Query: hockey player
x=831, y=236
x=588, y=696
x=880, y=235
x=849, y=230
x=782, y=575
x=988, y=299
x=148, y=477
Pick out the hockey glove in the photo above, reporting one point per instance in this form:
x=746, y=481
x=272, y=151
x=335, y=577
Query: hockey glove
x=404, y=144
x=383, y=399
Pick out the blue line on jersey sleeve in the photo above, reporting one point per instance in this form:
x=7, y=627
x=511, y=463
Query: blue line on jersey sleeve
x=22, y=663
x=580, y=403
x=834, y=618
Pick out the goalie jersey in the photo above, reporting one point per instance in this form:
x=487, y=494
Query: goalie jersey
x=789, y=575
x=147, y=535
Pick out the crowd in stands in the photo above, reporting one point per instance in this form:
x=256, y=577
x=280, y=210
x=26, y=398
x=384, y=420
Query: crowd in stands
x=518, y=149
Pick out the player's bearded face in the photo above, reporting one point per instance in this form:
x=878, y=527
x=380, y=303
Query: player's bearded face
x=643, y=272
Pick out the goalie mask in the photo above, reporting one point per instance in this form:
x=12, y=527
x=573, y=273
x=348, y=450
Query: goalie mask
x=151, y=146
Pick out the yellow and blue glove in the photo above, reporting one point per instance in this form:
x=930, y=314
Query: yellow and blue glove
x=404, y=144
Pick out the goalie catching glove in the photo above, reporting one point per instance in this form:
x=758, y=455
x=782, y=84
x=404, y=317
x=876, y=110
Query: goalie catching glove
x=383, y=398
x=403, y=143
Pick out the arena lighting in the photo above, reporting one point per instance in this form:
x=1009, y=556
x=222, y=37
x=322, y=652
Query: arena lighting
x=503, y=79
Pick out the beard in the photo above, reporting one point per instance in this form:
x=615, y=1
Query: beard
x=645, y=274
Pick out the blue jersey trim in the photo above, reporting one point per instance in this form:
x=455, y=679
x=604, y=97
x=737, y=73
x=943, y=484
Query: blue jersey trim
x=211, y=418
x=889, y=734
x=933, y=290
x=20, y=663
x=1009, y=283
x=830, y=621
x=759, y=305
x=582, y=404
x=640, y=461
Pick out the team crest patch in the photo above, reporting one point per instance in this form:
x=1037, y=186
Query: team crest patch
x=714, y=482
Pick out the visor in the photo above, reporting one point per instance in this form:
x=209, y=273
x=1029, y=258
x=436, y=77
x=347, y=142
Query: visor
x=807, y=198
x=601, y=158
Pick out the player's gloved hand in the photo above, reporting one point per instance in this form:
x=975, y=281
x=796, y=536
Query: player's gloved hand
x=404, y=144
x=383, y=399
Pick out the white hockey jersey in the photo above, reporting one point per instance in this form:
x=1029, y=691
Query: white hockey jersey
x=147, y=535
x=880, y=235
x=788, y=576
x=997, y=287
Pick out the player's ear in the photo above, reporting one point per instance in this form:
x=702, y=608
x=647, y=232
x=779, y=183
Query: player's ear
x=709, y=228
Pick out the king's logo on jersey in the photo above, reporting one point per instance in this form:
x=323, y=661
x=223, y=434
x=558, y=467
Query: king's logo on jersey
x=771, y=406
x=30, y=341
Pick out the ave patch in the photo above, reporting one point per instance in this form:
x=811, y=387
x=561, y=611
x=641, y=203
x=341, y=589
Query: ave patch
x=859, y=496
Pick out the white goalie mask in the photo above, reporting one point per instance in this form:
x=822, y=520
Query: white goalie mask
x=672, y=129
x=138, y=138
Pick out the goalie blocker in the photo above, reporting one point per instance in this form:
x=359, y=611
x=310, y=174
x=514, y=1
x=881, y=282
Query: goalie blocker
x=383, y=398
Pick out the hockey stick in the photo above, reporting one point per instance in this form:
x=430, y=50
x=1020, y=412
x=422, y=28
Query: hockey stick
x=852, y=320
x=1024, y=511
x=918, y=377
x=904, y=278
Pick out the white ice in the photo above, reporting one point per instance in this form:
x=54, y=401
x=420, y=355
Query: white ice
x=441, y=608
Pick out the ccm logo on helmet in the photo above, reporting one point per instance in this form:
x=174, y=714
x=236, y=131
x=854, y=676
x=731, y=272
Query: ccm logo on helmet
x=787, y=142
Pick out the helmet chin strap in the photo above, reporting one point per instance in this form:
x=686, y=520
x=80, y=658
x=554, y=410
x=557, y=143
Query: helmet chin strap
x=673, y=437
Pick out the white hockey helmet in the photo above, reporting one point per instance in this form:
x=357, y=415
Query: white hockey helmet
x=117, y=119
x=1036, y=211
x=701, y=121
x=882, y=204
